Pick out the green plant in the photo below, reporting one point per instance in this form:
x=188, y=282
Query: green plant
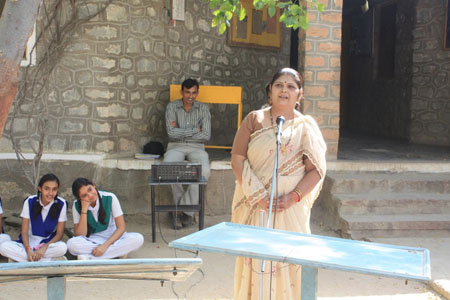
x=294, y=15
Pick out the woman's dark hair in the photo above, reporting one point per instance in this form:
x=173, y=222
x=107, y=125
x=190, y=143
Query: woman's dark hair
x=37, y=207
x=288, y=71
x=77, y=185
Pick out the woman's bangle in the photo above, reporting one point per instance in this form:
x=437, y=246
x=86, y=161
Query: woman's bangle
x=299, y=194
x=84, y=213
x=295, y=196
x=27, y=247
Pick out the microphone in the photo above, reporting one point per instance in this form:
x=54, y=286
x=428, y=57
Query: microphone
x=280, y=122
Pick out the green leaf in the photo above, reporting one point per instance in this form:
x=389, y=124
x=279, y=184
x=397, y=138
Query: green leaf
x=320, y=7
x=272, y=11
x=228, y=15
x=222, y=28
x=304, y=22
x=215, y=21
x=293, y=15
x=258, y=4
x=242, y=14
x=296, y=9
x=213, y=3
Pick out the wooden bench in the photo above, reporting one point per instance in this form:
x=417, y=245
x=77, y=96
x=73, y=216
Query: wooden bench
x=312, y=252
x=215, y=95
x=160, y=269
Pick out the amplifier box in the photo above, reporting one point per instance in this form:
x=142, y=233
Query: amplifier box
x=176, y=171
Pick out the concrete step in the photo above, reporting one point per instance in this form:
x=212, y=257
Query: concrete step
x=392, y=203
x=394, y=225
x=407, y=182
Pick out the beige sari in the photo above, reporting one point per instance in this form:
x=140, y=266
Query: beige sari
x=256, y=184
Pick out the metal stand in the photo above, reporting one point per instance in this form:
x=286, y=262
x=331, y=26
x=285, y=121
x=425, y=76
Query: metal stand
x=269, y=215
x=200, y=207
x=261, y=275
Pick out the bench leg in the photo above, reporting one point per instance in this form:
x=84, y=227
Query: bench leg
x=56, y=288
x=309, y=283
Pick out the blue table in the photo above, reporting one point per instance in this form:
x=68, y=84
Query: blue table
x=312, y=252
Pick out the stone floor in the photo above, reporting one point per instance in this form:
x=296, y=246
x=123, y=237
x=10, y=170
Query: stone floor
x=353, y=146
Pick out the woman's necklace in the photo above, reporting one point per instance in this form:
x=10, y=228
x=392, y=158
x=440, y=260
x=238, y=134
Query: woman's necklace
x=283, y=148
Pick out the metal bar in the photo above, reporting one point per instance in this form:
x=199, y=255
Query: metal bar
x=261, y=275
x=168, y=208
x=201, y=214
x=152, y=197
x=309, y=283
x=56, y=288
x=218, y=147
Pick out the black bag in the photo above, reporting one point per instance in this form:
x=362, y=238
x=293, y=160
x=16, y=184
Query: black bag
x=153, y=147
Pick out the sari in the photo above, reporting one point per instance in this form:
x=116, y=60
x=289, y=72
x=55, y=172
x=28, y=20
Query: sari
x=300, y=137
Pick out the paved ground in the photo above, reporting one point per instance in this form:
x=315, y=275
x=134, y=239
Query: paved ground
x=215, y=279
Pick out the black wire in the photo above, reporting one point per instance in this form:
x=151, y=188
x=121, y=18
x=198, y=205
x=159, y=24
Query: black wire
x=172, y=283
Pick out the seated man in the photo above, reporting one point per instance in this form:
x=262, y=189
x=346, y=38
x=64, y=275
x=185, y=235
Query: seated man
x=188, y=124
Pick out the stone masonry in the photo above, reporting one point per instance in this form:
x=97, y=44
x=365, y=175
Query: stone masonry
x=414, y=103
x=319, y=61
x=430, y=104
x=109, y=91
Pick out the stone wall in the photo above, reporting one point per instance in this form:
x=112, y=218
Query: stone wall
x=109, y=90
x=320, y=51
x=415, y=104
x=430, y=104
x=127, y=178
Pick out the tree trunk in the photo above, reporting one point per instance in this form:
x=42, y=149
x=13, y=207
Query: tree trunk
x=16, y=26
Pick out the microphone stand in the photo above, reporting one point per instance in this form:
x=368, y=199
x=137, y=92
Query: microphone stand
x=272, y=192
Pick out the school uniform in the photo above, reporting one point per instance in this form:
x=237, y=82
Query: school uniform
x=3, y=236
x=41, y=230
x=99, y=233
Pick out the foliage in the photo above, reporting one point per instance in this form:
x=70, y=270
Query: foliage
x=294, y=14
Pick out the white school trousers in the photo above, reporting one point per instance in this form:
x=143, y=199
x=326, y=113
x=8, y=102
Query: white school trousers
x=16, y=251
x=178, y=152
x=4, y=238
x=129, y=241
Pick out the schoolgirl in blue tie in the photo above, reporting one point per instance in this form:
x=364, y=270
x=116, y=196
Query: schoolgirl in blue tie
x=43, y=220
x=3, y=236
x=99, y=225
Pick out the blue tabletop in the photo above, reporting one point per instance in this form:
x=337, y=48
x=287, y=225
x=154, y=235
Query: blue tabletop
x=311, y=250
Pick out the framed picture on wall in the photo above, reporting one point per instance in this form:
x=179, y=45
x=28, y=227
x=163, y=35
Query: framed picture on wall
x=257, y=30
x=447, y=27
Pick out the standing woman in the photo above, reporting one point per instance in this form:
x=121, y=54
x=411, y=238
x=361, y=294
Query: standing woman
x=100, y=231
x=44, y=217
x=301, y=170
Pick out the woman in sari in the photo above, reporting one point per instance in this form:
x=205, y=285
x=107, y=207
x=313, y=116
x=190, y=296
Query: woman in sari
x=301, y=170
